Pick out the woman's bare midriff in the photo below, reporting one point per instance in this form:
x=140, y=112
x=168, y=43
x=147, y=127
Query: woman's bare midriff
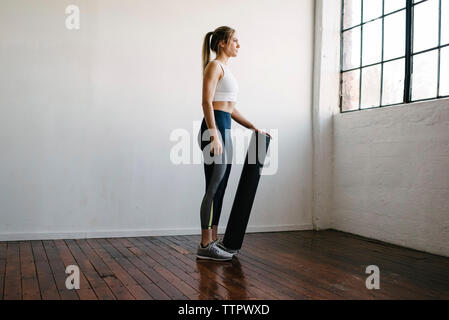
x=226, y=106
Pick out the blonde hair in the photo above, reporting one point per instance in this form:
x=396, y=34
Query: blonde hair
x=211, y=41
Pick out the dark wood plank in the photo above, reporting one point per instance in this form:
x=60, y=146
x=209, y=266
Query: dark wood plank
x=47, y=284
x=58, y=266
x=30, y=285
x=3, y=246
x=13, y=283
x=58, y=269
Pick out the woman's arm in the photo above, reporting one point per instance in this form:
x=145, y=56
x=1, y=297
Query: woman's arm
x=238, y=117
x=210, y=80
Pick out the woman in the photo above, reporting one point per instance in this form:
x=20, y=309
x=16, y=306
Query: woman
x=219, y=97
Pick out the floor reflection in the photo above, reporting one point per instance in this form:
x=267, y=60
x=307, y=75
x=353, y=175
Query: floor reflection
x=222, y=280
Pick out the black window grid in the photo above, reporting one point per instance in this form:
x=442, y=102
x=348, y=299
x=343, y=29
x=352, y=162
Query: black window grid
x=408, y=55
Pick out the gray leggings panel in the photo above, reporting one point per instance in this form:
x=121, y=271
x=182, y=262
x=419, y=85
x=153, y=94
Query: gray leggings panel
x=206, y=210
x=220, y=164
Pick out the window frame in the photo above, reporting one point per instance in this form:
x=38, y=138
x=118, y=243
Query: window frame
x=408, y=55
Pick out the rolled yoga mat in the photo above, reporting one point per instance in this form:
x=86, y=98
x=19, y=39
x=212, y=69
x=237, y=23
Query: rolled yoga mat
x=246, y=191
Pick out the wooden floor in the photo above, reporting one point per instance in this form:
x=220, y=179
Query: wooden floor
x=282, y=265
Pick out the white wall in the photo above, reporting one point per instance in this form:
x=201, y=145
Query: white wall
x=325, y=93
x=391, y=175
x=85, y=116
x=389, y=178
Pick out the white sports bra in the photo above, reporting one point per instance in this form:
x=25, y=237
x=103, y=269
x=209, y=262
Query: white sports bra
x=227, y=87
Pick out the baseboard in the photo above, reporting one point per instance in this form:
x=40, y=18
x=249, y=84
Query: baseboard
x=12, y=236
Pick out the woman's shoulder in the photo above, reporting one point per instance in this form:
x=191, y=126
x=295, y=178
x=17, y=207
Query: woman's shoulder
x=213, y=67
x=217, y=63
x=214, y=64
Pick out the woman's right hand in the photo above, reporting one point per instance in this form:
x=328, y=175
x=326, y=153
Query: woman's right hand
x=216, y=146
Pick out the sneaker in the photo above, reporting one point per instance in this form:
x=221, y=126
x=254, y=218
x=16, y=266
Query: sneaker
x=222, y=246
x=213, y=252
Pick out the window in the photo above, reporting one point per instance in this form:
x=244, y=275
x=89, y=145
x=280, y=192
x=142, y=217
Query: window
x=393, y=52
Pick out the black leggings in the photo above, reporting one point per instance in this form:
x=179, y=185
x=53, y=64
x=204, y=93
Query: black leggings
x=216, y=169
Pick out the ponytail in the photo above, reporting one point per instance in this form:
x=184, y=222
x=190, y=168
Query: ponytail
x=206, y=49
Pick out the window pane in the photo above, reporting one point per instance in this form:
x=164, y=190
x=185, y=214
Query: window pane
x=425, y=28
x=425, y=75
x=352, y=13
x=444, y=21
x=372, y=42
x=393, y=5
x=351, y=48
x=394, y=35
x=370, y=87
x=371, y=9
x=444, y=71
x=350, y=90
x=393, y=82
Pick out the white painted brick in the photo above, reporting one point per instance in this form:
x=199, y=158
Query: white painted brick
x=391, y=175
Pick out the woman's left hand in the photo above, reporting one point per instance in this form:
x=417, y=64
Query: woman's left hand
x=262, y=132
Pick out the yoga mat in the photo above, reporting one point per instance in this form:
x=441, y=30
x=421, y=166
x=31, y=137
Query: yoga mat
x=246, y=191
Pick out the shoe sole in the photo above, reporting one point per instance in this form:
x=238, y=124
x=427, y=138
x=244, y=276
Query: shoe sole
x=215, y=259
